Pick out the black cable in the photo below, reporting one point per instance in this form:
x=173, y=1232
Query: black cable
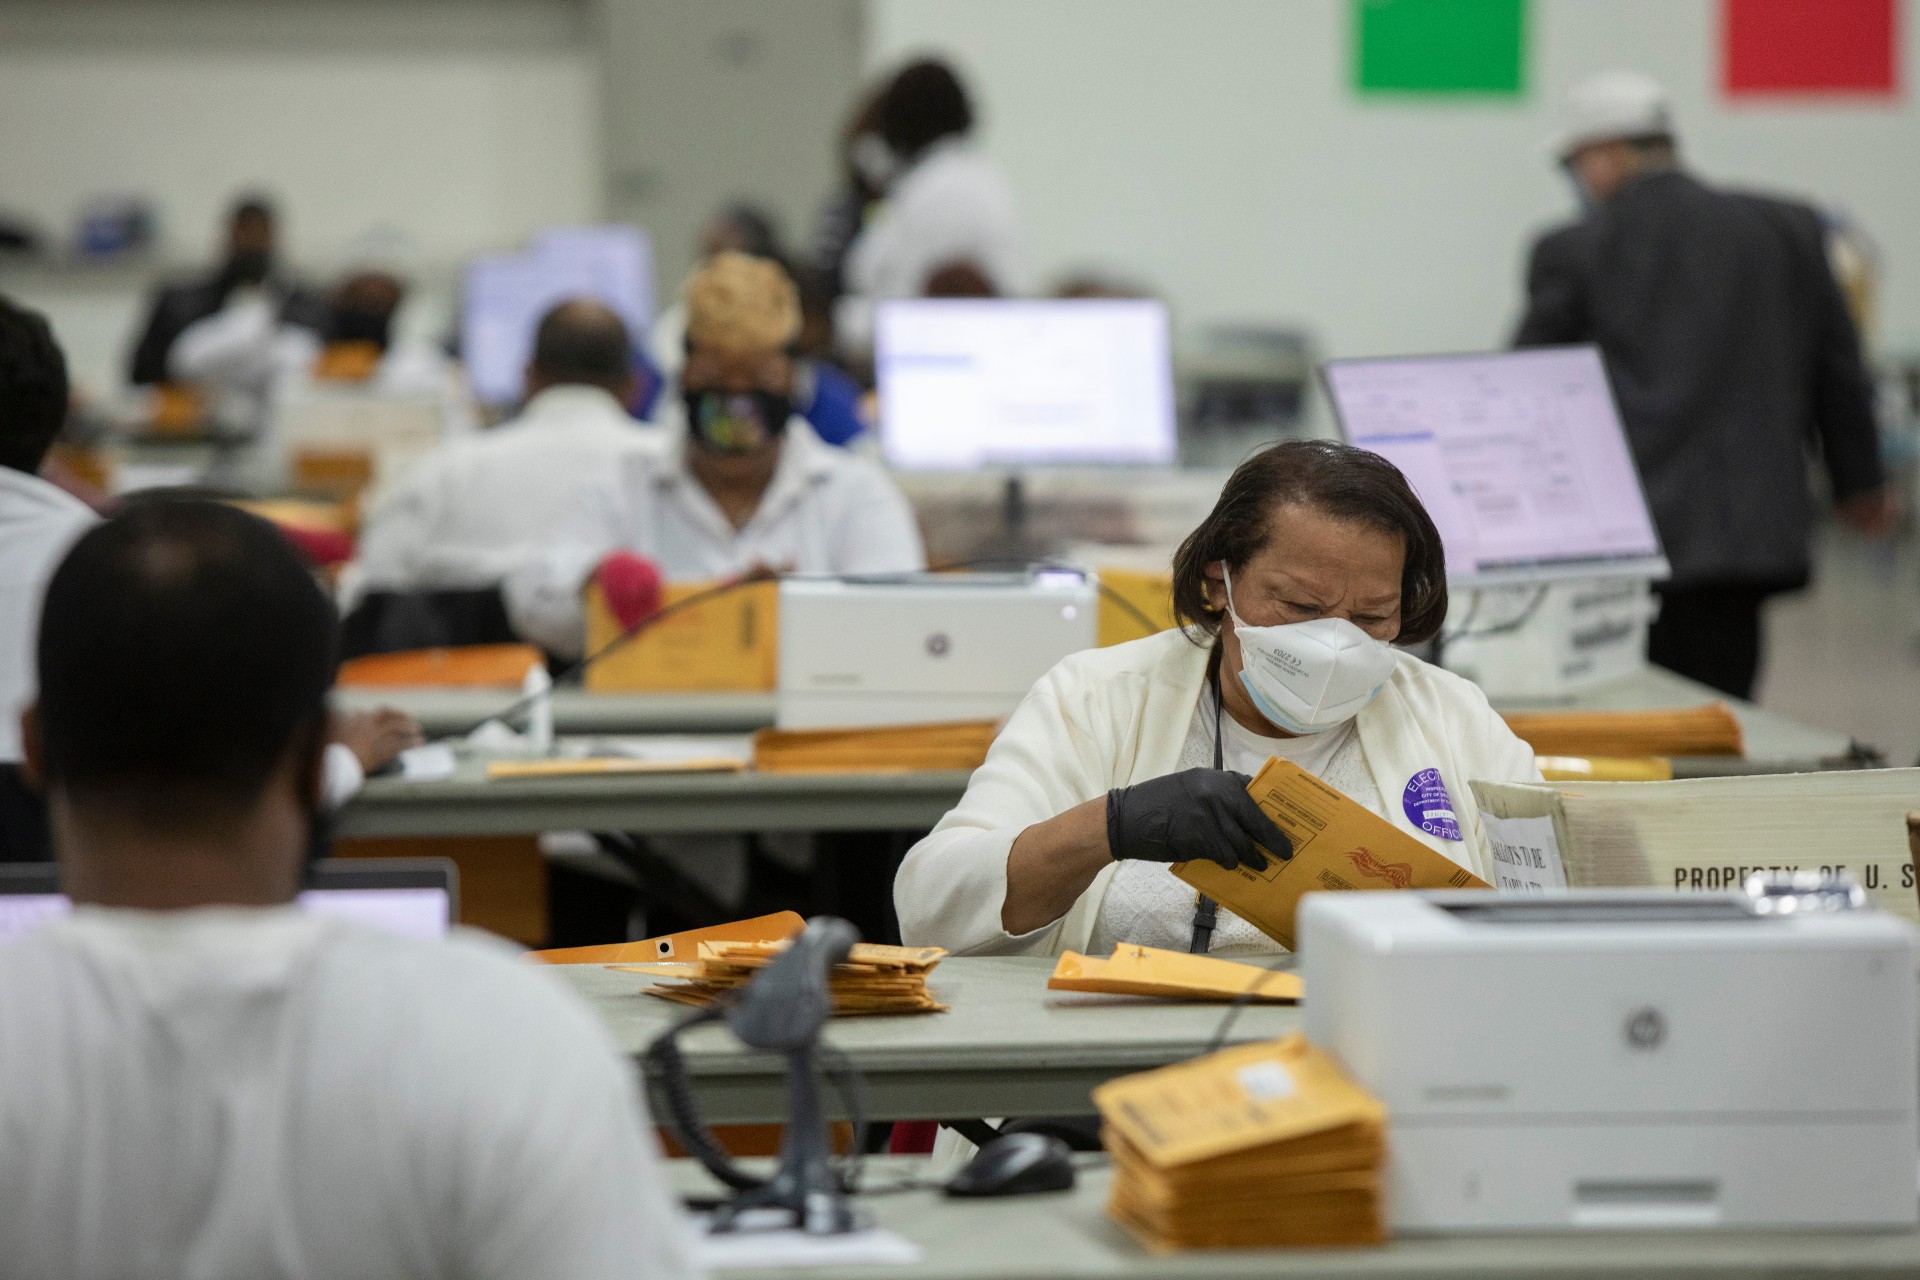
x=1240, y=1002
x=653, y=619
x=1508, y=627
x=1147, y=625
x=1466, y=623
x=670, y=1085
x=852, y=1088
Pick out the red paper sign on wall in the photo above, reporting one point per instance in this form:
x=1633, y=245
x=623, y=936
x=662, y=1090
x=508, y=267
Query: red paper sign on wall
x=1809, y=47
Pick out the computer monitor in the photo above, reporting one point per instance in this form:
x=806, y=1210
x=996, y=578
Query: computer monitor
x=505, y=296
x=1519, y=457
x=982, y=382
x=413, y=897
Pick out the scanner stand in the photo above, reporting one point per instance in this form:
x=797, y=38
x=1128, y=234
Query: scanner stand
x=783, y=1010
x=806, y=1184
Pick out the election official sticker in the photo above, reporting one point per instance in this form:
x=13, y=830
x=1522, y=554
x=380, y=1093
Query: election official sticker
x=1428, y=805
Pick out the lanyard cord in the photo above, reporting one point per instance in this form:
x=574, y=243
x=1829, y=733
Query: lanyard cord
x=1206, y=912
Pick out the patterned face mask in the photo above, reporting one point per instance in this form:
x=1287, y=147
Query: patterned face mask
x=736, y=422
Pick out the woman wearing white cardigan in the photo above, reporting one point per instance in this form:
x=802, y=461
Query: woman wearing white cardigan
x=1316, y=558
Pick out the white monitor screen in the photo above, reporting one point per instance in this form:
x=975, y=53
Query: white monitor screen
x=987, y=382
x=411, y=912
x=505, y=296
x=1519, y=457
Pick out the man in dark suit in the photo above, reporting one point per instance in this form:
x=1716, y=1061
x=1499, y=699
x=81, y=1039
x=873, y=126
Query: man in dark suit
x=249, y=263
x=1732, y=355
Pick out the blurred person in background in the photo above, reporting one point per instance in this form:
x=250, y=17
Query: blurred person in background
x=1730, y=351
x=38, y=522
x=740, y=481
x=738, y=227
x=947, y=227
x=249, y=265
x=866, y=165
x=824, y=394
x=251, y=360
x=200, y=1078
x=468, y=513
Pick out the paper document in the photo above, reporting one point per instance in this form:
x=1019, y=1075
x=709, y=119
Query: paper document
x=1526, y=854
x=1135, y=970
x=1337, y=844
x=1712, y=833
x=753, y=1248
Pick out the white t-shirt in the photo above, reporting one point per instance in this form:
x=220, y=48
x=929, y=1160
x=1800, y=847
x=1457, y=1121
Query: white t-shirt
x=1149, y=905
x=232, y=1092
x=39, y=523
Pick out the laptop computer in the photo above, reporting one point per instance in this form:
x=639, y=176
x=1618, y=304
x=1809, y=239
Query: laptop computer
x=414, y=897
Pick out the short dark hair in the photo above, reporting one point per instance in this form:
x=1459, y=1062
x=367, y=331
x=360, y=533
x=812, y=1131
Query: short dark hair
x=251, y=205
x=33, y=388
x=581, y=340
x=184, y=651
x=924, y=104
x=1338, y=479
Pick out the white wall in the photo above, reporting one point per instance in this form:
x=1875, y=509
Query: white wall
x=462, y=150
x=1214, y=149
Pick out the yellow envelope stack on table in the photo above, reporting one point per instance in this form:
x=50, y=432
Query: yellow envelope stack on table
x=1337, y=844
x=1262, y=1146
x=896, y=748
x=875, y=979
x=1707, y=730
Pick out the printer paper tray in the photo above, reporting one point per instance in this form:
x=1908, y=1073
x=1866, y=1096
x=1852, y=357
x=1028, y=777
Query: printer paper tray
x=1502, y=1173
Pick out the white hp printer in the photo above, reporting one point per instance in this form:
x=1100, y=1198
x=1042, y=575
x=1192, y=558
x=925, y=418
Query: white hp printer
x=1626, y=1059
x=923, y=648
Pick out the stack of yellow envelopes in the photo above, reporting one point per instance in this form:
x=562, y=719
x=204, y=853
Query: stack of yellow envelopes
x=897, y=748
x=1261, y=1146
x=875, y=979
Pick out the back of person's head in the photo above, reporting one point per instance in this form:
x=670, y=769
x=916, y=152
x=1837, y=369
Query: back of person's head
x=250, y=208
x=738, y=303
x=582, y=341
x=1338, y=480
x=925, y=103
x=743, y=227
x=33, y=388
x=185, y=655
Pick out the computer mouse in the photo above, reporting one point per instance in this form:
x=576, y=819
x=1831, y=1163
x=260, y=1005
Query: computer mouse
x=1016, y=1164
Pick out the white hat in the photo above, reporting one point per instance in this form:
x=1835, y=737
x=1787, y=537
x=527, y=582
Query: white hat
x=1613, y=104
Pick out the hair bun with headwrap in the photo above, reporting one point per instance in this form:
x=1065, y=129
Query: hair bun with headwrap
x=740, y=303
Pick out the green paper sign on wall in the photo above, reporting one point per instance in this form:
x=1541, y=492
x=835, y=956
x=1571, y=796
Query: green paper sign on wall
x=1439, y=46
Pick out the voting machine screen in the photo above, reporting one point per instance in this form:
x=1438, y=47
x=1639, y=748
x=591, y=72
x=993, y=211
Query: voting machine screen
x=980, y=382
x=504, y=297
x=1519, y=456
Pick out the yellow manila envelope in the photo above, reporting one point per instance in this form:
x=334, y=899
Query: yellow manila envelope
x=1151, y=598
x=1337, y=844
x=730, y=643
x=682, y=948
x=1237, y=1100
x=1135, y=970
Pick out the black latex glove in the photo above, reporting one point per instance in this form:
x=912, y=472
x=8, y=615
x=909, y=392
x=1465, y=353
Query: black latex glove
x=1197, y=813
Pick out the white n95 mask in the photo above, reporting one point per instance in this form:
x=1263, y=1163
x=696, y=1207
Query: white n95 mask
x=1309, y=676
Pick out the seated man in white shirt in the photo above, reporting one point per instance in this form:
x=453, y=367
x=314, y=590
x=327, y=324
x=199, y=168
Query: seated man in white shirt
x=474, y=509
x=38, y=522
x=198, y=1079
x=740, y=481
